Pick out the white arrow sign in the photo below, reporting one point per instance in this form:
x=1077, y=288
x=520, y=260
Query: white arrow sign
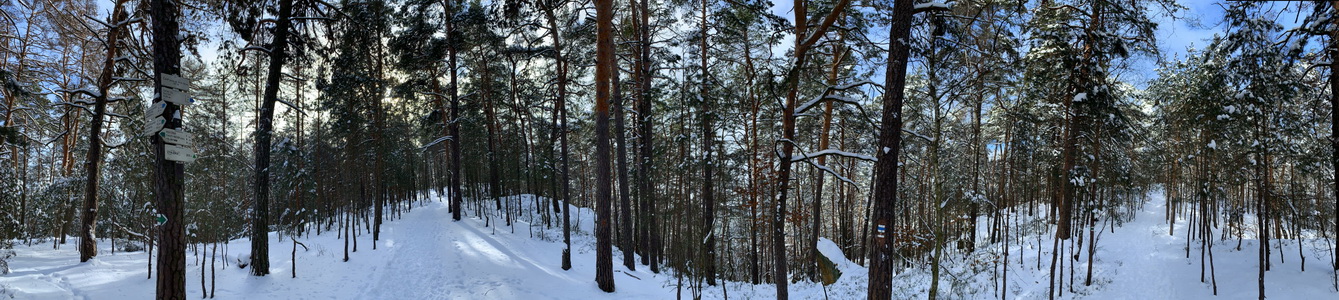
x=153, y=125
x=178, y=153
x=175, y=136
x=176, y=82
x=176, y=96
x=155, y=109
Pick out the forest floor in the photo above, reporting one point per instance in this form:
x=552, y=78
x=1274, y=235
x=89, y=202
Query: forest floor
x=425, y=255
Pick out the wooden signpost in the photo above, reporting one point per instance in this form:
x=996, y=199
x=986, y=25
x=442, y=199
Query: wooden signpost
x=179, y=154
x=177, y=137
x=176, y=82
x=176, y=96
x=153, y=125
x=155, y=109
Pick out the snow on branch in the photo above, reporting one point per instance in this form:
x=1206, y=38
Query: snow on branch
x=833, y=152
x=128, y=21
x=435, y=142
x=922, y=136
x=87, y=91
x=825, y=169
x=831, y=97
x=291, y=106
x=100, y=22
x=256, y=48
x=931, y=6
x=85, y=108
x=828, y=95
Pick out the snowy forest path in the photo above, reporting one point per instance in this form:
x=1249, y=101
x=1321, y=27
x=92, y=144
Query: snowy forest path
x=1149, y=250
x=1140, y=260
x=431, y=256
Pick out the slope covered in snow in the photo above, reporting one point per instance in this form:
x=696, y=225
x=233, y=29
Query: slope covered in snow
x=425, y=255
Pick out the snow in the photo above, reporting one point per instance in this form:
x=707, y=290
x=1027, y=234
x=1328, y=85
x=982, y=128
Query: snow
x=425, y=255
x=939, y=4
x=1080, y=97
x=832, y=152
x=1213, y=144
x=812, y=102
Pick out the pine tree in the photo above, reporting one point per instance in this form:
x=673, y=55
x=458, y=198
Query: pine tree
x=604, y=66
x=168, y=175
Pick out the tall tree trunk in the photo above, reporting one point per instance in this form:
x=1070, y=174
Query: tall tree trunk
x=88, y=244
x=824, y=137
x=625, y=203
x=604, y=64
x=1334, y=119
x=708, y=137
x=68, y=141
x=562, y=133
x=755, y=170
x=494, y=181
x=260, y=241
x=378, y=146
x=890, y=147
x=803, y=42
x=169, y=176
x=454, y=90
x=646, y=190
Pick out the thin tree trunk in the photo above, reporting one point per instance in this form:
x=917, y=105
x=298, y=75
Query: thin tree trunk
x=812, y=265
x=562, y=134
x=1334, y=120
x=260, y=246
x=651, y=242
x=456, y=145
x=625, y=202
x=378, y=146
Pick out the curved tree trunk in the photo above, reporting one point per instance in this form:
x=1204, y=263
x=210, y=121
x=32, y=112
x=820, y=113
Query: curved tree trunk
x=88, y=244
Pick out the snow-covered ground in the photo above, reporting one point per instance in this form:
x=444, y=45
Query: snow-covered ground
x=425, y=255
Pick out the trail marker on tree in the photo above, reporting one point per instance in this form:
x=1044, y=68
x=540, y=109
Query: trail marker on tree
x=153, y=125
x=179, y=154
x=177, y=137
x=175, y=96
x=155, y=109
x=176, y=82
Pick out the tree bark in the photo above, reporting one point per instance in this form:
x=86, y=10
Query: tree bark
x=169, y=176
x=890, y=143
x=562, y=133
x=454, y=124
x=88, y=244
x=824, y=137
x=1334, y=119
x=625, y=203
x=708, y=137
x=646, y=190
x=604, y=64
x=260, y=245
